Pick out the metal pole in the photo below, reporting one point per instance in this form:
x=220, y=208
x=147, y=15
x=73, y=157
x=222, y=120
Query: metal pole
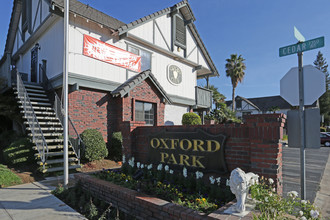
x=302, y=127
x=65, y=86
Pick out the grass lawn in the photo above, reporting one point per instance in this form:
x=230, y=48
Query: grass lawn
x=8, y=178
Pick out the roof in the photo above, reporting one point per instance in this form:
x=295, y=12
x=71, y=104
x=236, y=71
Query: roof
x=91, y=13
x=264, y=103
x=187, y=13
x=134, y=81
x=15, y=15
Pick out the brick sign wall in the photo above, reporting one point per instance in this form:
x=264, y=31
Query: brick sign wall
x=253, y=146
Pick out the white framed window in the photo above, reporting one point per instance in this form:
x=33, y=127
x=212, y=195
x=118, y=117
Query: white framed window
x=145, y=56
x=145, y=111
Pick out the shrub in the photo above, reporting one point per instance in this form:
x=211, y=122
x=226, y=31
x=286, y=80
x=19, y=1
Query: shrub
x=95, y=147
x=191, y=118
x=323, y=129
x=115, y=146
x=19, y=152
x=7, y=178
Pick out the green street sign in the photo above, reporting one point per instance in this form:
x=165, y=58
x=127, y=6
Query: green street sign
x=301, y=47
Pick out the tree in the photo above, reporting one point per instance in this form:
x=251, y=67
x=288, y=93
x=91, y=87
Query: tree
x=321, y=64
x=217, y=97
x=274, y=109
x=235, y=70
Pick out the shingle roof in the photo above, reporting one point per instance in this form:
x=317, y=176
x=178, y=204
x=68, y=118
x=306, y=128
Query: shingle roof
x=188, y=15
x=132, y=82
x=91, y=13
x=14, y=19
x=264, y=103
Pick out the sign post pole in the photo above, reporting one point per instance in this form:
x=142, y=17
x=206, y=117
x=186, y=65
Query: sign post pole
x=302, y=126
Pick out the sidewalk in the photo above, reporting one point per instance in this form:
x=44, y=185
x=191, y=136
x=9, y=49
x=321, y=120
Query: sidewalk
x=322, y=199
x=34, y=201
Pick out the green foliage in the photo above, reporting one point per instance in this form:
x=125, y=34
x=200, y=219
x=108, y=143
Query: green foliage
x=19, y=152
x=191, y=118
x=7, y=178
x=115, y=146
x=235, y=70
x=83, y=202
x=273, y=206
x=273, y=109
x=321, y=64
x=323, y=129
x=183, y=188
x=223, y=114
x=95, y=147
x=217, y=97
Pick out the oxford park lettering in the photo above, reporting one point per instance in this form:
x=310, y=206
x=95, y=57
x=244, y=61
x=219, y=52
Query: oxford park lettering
x=192, y=150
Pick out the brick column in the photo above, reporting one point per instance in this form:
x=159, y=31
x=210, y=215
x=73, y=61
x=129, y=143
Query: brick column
x=265, y=133
x=128, y=139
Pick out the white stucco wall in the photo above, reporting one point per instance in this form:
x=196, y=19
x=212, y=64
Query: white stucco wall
x=173, y=114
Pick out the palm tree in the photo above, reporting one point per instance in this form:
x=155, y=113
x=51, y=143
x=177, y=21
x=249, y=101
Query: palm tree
x=235, y=70
x=217, y=97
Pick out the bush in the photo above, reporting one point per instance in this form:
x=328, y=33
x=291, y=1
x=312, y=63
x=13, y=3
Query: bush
x=19, y=152
x=323, y=129
x=95, y=147
x=191, y=118
x=7, y=178
x=115, y=146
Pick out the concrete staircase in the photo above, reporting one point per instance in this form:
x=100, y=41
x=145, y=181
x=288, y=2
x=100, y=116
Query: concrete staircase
x=49, y=127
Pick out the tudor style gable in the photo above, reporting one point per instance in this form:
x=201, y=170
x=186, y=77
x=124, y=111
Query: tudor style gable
x=171, y=31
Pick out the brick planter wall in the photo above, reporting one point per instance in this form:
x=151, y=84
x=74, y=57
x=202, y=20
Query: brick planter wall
x=142, y=206
x=254, y=146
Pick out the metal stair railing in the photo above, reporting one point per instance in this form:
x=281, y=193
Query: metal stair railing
x=74, y=138
x=37, y=134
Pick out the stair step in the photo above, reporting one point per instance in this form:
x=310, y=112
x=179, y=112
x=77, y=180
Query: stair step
x=54, y=169
x=71, y=159
x=35, y=90
x=51, y=147
x=49, y=140
x=52, y=154
x=36, y=99
x=46, y=123
x=34, y=86
x=47, y=134
x=38, y=103
x=44, y=129
x=39, y=113
x=40, y=108
x=42, y=117
x=35, y=94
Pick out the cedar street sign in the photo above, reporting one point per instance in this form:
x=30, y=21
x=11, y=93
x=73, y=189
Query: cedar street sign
x=299, y=48
x=302, y=46
x=197, y=150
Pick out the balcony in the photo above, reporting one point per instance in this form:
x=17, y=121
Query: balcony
x=203, y=98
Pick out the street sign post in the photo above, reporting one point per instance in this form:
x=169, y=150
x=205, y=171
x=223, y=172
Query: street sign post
x=299, y=48
x=302, y=46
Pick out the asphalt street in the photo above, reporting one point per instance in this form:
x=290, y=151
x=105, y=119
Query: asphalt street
x=316, y=160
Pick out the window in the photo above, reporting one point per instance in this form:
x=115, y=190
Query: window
x=180, y=32
x=145, y=111
x=26, y=17
x=239, y=103
x=145, y=57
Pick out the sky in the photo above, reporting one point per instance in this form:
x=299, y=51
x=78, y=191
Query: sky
x=255, y=29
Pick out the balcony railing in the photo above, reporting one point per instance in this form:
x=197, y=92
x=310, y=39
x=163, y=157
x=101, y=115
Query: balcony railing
x=203, y=97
